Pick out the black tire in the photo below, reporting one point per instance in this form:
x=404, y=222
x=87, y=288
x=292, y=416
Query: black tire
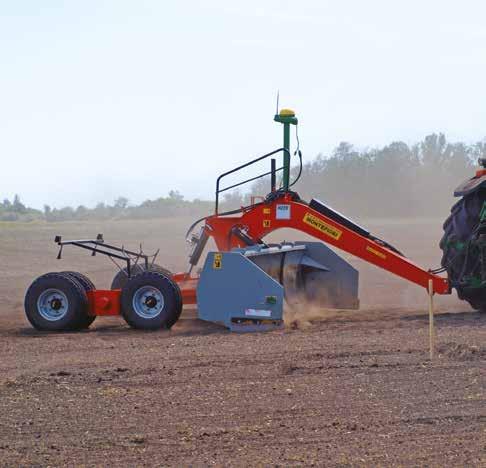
x=141, y=303
x=458, y=228
x=87, y=285
x=62, y=290
x=164, y=271
x=121, y=278
x=83, y=280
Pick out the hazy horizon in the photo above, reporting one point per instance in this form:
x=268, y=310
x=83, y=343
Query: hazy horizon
x=101, y=99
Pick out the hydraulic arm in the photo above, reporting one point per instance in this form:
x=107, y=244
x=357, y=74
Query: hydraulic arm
x=285, y=212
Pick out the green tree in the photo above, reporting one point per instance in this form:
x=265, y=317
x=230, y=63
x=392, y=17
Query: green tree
x=121, y=203
x=176, y=195
x=17, y=205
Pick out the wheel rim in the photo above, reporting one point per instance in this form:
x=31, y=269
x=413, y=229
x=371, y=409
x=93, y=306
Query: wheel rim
x=148, y=302
x=52, y=305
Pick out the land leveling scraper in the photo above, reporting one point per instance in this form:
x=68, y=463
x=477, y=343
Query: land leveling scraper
x=245, y=283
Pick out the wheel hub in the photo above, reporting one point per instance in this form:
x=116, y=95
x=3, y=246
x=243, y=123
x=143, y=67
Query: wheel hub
x=151, y=302
x=56, y=304
x=52, y=304
x=148, y=302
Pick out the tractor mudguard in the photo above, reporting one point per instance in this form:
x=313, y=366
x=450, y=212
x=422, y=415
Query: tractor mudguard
x=471, y=185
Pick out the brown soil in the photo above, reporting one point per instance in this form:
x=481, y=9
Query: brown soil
x=346, y=388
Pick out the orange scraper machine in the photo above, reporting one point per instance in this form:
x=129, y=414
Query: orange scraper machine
x=245, y=283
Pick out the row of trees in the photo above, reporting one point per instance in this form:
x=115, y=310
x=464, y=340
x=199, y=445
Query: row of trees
x=172, y=205
x=15, y=210
x=397, y=180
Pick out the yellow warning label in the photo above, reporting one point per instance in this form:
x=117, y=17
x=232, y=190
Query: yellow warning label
x=218, y=261
x=376, y=252
x=267, y=211
x=320, y=225
x=266, y=223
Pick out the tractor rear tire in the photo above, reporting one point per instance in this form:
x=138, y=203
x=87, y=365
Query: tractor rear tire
x=87, y=285
x=121, y=278
x=150, y=301
x=56, y=302
x=458, y=228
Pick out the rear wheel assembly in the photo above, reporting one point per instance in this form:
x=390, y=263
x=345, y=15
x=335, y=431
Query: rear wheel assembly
x=151, y=301
x=464, y=249
x=55, y=302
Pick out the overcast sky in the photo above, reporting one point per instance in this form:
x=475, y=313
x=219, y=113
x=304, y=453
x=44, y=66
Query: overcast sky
x=135, y=98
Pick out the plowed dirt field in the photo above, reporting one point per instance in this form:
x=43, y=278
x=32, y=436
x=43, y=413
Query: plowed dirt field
x=335, y=389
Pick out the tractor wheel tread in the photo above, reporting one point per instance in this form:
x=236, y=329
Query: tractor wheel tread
x=458, y=227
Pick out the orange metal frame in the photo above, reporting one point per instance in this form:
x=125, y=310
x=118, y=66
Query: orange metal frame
x=260, y=220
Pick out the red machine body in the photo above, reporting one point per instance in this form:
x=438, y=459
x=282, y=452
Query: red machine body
x=104, y=302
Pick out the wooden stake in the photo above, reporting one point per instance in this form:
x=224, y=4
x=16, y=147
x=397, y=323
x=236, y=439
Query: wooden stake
x=431, y=320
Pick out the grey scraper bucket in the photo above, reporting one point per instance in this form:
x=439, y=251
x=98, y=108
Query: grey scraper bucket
x=311, y=273
x=235, y=292
x=245, y=289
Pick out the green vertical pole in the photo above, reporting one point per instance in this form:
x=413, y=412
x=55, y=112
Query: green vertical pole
x=287, y=118
x=286, y=157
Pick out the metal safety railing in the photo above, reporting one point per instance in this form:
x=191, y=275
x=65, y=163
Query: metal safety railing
x=272, y=173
